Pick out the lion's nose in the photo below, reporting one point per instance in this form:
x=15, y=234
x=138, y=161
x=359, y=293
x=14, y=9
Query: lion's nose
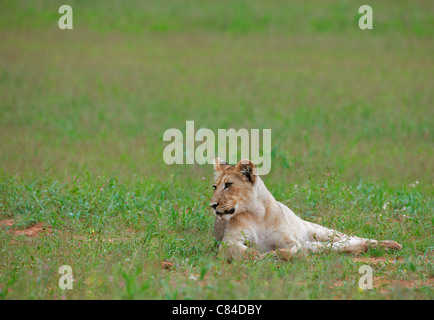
x=214, y=205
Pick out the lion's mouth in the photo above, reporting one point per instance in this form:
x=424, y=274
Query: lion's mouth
x=231, y=211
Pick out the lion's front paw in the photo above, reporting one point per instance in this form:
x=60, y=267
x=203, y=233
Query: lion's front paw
x=390, y=245
x=251, y=254
x=279, y=254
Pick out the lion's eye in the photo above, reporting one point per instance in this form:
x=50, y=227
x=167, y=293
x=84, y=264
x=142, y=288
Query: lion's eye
x=228, y=185
x=214, y=186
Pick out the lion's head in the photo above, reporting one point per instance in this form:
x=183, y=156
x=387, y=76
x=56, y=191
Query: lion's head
x=233, y=187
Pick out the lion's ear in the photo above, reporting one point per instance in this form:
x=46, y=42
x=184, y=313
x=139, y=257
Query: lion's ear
x=247, y=169
x=219, y=168
x=219, y=165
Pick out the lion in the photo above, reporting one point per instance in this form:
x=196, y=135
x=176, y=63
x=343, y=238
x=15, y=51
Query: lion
x=251, y=223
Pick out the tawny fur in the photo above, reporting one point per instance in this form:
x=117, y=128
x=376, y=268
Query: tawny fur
x=251, y=223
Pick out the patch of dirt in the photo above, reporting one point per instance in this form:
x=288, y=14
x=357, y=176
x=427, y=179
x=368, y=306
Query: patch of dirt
x=384, y=285
x=33, y=231
x=338, y=283
x=167, y=265
x=378, y=260
x=7, y=223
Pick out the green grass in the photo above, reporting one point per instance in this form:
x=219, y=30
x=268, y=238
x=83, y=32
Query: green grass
x=82, y=117
x=116, y=238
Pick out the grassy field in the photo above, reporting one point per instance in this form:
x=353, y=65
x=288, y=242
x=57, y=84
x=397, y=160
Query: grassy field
x=82, y=118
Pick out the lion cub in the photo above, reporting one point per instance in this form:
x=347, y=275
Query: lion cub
x=251, y=223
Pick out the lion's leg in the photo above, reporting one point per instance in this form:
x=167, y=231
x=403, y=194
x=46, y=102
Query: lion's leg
x=353, y=245
x=294, y=249
x=389, y=245
x=323, y=234
x=350, y=245
x=220, y=226
x=235, y=250
x=322, y=237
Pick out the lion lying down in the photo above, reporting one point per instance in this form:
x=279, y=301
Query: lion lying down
x=251, y=223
